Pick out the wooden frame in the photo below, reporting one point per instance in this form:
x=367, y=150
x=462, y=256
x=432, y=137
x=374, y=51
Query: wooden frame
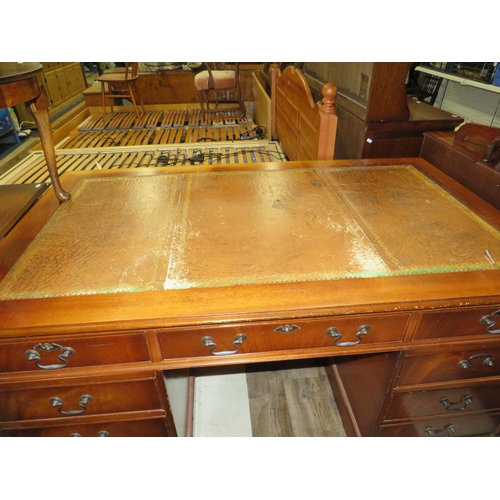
x=306, y=130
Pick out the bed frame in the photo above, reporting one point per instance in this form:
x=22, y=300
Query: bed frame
x=306, y=130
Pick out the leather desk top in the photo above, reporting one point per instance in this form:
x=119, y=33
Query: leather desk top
x=251, y=242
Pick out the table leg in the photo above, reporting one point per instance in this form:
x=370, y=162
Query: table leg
x=41, y=115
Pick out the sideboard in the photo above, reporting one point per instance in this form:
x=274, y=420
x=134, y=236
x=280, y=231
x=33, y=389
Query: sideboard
x=388, y=270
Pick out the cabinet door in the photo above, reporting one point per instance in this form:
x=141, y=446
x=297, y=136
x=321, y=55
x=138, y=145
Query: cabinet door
x=63, y=84
x=74, y=78
x=52, y=88
x=80, y=83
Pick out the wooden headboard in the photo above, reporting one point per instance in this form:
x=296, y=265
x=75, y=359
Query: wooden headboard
x=306, y=130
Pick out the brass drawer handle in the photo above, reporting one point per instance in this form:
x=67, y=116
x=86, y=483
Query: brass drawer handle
x=467, y=363
x=84, y=400
x=238, y=340
x=33, y=355
x=99, y=434
x=447, y=430
x=489, y=322
x=465, y=401
x=335, y=334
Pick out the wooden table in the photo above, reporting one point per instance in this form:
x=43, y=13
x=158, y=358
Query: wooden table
x=386, y=269
x=18, y=85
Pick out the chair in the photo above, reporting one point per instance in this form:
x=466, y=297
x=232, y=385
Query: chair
x=424, y=87
x=214, y=81
x=120, y=83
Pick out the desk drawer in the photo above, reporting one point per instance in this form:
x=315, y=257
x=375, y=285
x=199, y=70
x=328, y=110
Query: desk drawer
x=92, y=398
x=444, y=401
x=452, y=365
x=63, y=352
x=484, y=321
x=344, y=333
x=478, y=425
x=136, y=428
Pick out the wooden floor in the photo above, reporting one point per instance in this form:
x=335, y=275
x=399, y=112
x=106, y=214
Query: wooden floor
x=292, y=399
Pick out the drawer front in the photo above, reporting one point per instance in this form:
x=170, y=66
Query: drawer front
x=480, y=321
x=83, y=399
x=63, y=352
x=481, y=425
x=444, y=401
x=335, y=333
x=136, y=428
x=455, y=365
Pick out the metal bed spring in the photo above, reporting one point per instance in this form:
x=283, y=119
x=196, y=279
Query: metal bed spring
x=157, y=128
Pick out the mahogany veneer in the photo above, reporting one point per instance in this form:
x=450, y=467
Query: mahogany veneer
x=379, y=264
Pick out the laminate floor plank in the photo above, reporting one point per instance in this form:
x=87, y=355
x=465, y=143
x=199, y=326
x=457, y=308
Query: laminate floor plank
x=267, y=401
x=292, y=399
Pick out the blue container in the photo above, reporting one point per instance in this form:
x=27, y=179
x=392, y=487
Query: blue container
x=496, y=76
x=7, y=125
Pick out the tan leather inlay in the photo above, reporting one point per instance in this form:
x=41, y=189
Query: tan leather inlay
x=248, y=227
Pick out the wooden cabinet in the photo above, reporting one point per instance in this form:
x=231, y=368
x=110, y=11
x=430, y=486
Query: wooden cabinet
x=376, y=119
x=63, y=84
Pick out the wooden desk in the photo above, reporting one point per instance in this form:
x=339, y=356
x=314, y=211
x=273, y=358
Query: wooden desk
x=464, y=162
x=379, y=265
x=19, y=84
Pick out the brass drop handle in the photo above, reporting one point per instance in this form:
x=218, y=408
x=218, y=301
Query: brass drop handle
x=238, y=340
x=335, y=334
x=84, y=400
x=489, y=322
x=465, y=401
x=34, y=355
x=467, y=363
x=447, y=430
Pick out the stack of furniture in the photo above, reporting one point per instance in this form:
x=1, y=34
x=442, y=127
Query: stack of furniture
x=376, y=117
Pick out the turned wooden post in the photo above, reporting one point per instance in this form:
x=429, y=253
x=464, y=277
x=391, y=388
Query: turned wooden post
x=328, y=120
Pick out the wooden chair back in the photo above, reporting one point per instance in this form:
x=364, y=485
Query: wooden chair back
x=213, y=80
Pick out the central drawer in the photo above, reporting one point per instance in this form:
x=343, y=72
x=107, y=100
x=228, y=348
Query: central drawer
x=57, y=353
x=334, y=333
x=90, y=398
